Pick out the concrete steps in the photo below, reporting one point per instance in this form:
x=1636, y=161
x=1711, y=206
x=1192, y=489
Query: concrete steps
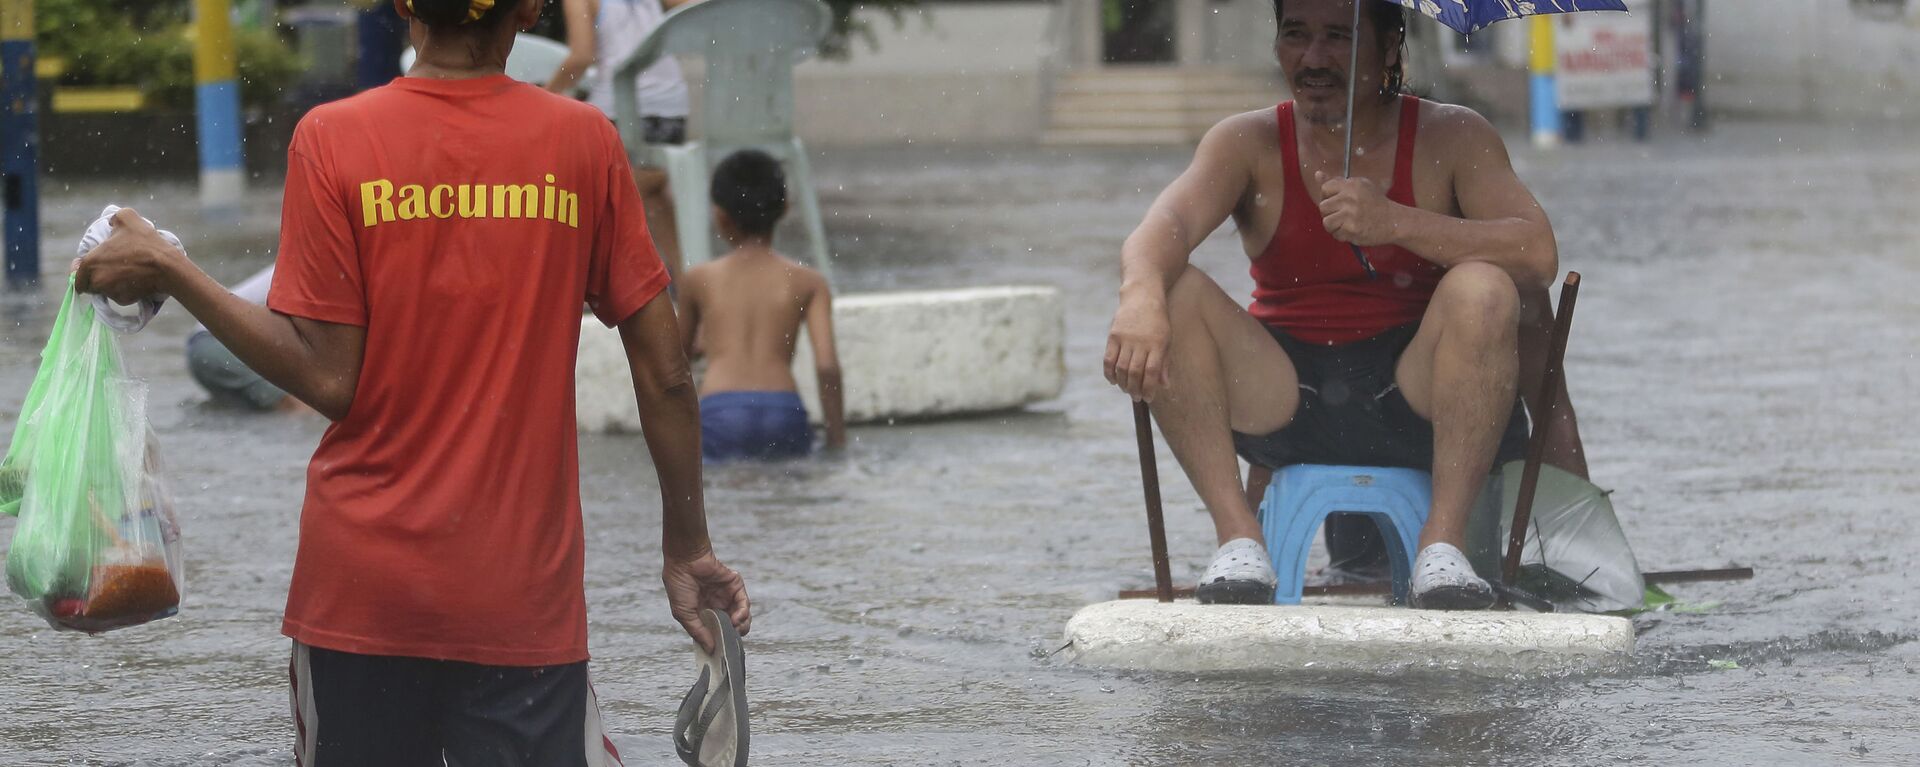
x=1151, y=106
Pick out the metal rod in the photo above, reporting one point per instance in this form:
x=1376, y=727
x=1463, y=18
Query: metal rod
x=1342, y=590
x=1537, y=448
x=1384, y=588
x=1156, y=524
x=1692, y=576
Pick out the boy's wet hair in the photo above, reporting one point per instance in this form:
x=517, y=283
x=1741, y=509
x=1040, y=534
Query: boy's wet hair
x=750, y=186
x=456, y=13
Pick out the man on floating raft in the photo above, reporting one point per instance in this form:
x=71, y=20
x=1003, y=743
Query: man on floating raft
x=1400, y=318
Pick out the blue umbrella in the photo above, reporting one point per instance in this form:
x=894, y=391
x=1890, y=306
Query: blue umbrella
x=1469, y=16
x=1463, y=16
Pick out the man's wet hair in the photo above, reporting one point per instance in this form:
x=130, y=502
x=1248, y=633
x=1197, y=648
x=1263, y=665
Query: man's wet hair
x=458, y=13
x=1389, y=25
x=750, y=186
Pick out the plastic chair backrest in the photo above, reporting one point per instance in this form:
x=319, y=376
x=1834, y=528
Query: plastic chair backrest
x=534, y=59
x=750, y=48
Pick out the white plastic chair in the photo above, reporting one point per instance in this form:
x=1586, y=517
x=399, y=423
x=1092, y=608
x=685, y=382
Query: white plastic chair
x=750, y=48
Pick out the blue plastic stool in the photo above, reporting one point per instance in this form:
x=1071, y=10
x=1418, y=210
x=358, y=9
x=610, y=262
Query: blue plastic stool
x=1302, y=496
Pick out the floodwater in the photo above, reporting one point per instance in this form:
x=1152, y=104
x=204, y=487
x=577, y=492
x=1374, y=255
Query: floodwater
x=1743, y=361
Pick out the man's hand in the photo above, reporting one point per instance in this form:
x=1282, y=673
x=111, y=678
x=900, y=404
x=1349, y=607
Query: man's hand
x=700, y=583
x=1356, y=211
x=1137, y=344
x=134, y=263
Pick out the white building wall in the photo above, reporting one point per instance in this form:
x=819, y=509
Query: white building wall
x=1842, y=59
x=968, y=73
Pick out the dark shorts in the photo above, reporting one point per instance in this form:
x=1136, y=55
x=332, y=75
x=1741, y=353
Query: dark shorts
x=754, y=424
x=382, y=711
x=663, y=130
x=1352, y=413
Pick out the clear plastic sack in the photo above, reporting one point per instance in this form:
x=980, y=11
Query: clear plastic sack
x=1575, y=554
x=97, y=546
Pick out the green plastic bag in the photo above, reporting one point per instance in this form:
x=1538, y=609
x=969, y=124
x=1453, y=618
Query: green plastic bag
x=97, y=546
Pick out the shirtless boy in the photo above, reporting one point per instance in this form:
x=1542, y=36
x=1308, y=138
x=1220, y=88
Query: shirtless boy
x=744, y=311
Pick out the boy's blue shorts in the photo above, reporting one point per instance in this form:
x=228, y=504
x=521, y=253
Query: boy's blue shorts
x=753, y=424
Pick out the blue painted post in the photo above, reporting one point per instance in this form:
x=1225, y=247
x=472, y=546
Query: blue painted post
x=1545, y=97
x=20, y=143
x=223, y=178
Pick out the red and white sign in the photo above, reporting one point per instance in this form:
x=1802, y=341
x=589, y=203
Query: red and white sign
x=1604, y=60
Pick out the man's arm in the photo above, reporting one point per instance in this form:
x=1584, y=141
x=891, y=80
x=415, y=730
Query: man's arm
x=826, y=362
x=670, y=423
x=317, y=362
x=1500, y=223
x=580, y=45
x=1186, y=212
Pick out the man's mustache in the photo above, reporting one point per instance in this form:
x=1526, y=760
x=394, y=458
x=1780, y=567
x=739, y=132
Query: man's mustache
x=1300, y=80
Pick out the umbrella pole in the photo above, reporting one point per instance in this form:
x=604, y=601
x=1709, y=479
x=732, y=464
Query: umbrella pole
x=1353, y=64
x=1346, y=158
x=1150, y=480
x=1537, y=447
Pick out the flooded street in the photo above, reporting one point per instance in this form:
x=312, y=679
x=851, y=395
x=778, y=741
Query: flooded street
x=1743, y=360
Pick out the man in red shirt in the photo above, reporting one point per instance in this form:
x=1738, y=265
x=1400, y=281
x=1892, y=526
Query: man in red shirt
x=1416, y=366
x=439, y=237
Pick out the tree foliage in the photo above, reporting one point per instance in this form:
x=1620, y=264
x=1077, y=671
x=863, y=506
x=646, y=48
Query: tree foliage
x=149, y=44
x=847, y=25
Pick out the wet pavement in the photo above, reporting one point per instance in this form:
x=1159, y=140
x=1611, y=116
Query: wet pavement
x=1743, y=361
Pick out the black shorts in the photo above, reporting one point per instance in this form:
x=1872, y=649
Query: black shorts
x=663, y=130
x=383, y=711
x=1353, y=414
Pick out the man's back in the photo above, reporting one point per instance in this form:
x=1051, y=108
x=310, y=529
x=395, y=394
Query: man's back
x=749, y=306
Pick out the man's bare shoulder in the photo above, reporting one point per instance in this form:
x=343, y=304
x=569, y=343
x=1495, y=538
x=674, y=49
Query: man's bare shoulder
x=1253, y=131
x=1455, y=125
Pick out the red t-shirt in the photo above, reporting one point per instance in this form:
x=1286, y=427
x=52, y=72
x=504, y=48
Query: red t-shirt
x=462, y=223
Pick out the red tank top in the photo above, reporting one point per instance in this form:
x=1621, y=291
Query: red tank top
x=1310, y=285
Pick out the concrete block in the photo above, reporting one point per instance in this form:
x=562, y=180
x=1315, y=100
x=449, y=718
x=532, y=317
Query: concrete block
x=1188, y=637
x=602, y=383
x=916, y=354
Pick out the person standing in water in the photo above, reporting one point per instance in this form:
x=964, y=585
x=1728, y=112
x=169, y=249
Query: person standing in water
x=605, y=32
x=439, y=236
x=744, y=310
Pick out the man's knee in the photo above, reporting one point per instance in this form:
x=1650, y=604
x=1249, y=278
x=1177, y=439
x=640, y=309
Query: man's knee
x=1480, y=295
x=1190, y=291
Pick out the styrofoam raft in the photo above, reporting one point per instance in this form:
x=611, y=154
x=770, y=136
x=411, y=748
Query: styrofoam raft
x=1185, y=636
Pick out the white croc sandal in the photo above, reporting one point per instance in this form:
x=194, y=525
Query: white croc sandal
x=1442, y=580
x=1241, y=574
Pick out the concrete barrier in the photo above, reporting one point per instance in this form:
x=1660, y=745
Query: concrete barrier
x=917, y=354
x=1187, y=637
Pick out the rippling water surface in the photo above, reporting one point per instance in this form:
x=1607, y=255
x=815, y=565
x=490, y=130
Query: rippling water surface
x=1744, y=364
